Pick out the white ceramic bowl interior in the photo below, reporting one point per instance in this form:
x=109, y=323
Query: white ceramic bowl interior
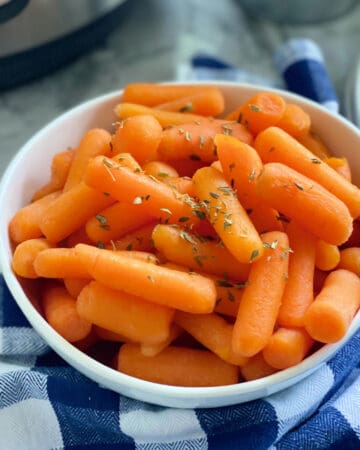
x=30, y=168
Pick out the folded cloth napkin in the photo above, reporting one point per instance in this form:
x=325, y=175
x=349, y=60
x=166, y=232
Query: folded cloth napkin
x=46, y=404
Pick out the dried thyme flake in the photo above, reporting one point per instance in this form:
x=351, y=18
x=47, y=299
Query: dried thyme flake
x=214, y=195
x=252, y=175
x=254, y=255
x=166, y=210
x=187, y=237
x=100, y=244
x=194, y=157
x=202, y=141
x=200, y=214
x=187, y=136
x=299, y=186
x=189, y=107
x=254, y=108
x=184, y=219
x=138, y=200
x=149, y=277
x=315, y=161
x=230, y=296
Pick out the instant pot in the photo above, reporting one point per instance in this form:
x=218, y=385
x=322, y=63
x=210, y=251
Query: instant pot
x=38, y=36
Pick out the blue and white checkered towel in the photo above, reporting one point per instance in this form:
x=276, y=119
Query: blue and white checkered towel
x=46, y=404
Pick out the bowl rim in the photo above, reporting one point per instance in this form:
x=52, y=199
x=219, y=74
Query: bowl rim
x=89, y=366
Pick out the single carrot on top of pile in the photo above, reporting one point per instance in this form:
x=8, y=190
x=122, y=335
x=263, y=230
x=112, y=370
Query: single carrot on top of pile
x=211, y=248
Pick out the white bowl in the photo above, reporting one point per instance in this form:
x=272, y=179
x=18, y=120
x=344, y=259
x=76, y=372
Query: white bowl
x=29, y=170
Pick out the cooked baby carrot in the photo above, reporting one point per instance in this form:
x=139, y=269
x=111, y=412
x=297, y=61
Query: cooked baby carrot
x=115, y=221
x=185, y=291
x=287, y=347
x=127, y=160
x=154, y=198
x=140, y=239
x=298, y=197
x=165, y=118
x=327, y=255
x=198, y=253
x=295, y=120
x=177, y=366
x=59, y=263
x=160, y=170
x=226, y=215
x=209, y=102
x=350, y=259
x=261, y=111
x=94, y=142
x=25, y=254
x=262, y=296
x=184, y=185
x=60, y=166
x=75, y=285
x=151, y=94
x=124, y=314
x=313, y=143
x=340, y=165
x=256, y=368
x=71, y=210
x=155, y=349
x=138, y=135
x=195, y=140
x=25, y=223
x=241, y=166
x=298, y=293
x=60, y=311
x=275, y=145
x=330, y=315
x=214, y=332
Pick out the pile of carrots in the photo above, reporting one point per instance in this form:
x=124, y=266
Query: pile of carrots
x=211, y=248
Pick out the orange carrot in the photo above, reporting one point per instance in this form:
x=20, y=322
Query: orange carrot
x=124, y=314
x=94, y=142
x=227, y=216
x=195, y=140
x=340, y=165
x=256, y=368
x=241, y=166
x=60, y=311
x=139, y=239
x=115, y=221
x=209, y=102
x=350, y=259
x=314, y=143
x=25, y=254
x=298, y=293
x=127, y=160
x=71, y=210
x=184, y=185
x=155, y=349
x=185, y=291
x=287, y=347
x=327, y=255
x=151, y=94
x=330, y=315
x=197, y=253
x=25, y=223
x=160, y=170
x=60, y=166
x=75, y=285
x=214, y=332
x=262, y=296
x=302, y=199
x=275, y=145
x=177, y=366
x=259, y=112
x=165, y=118
x=59, y=263
x=155, y=199
x=138, y=135
x=295, y=120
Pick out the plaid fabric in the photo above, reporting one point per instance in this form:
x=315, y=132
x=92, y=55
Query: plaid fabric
x=46, y=404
